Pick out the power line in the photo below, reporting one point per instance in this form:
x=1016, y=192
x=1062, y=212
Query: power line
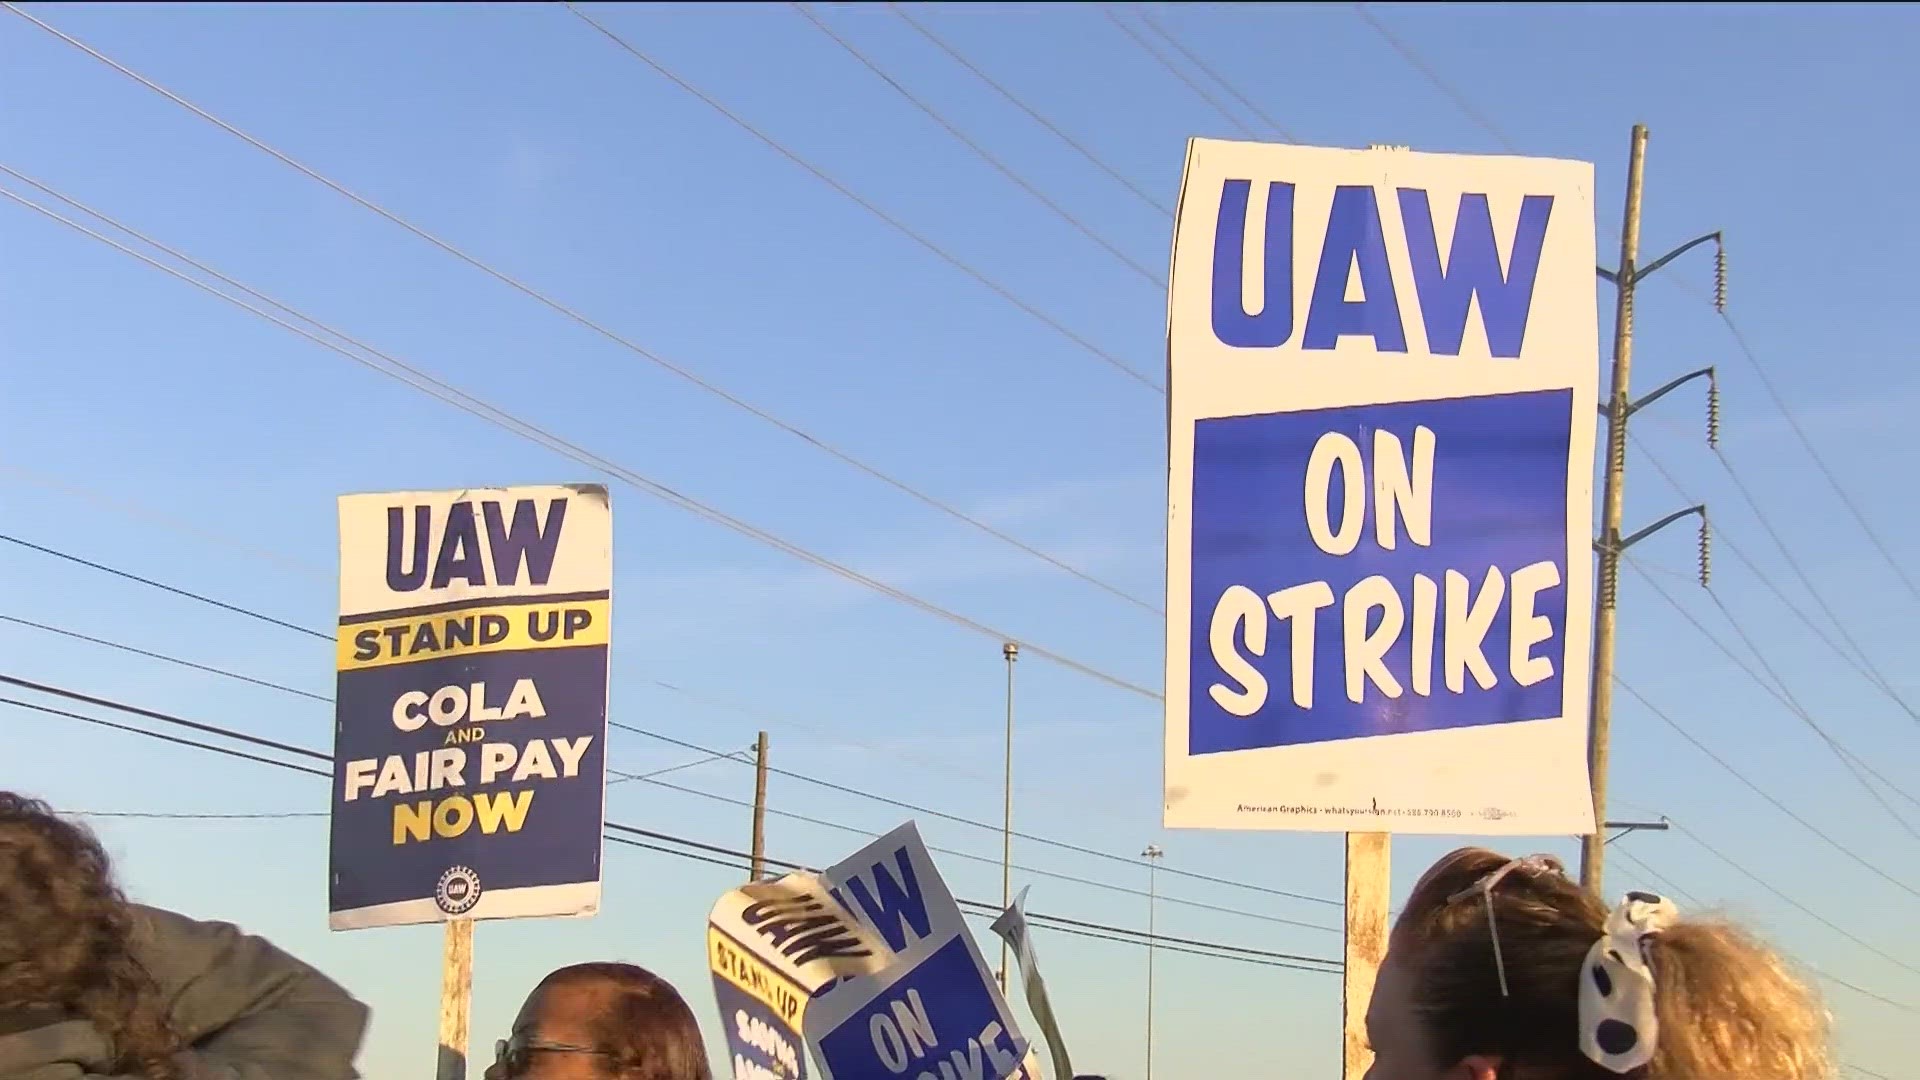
x=1745, y=347
x=275, y=622
x=152, y=816
x=1446, y=88
x=192, y=725
x=1835, y=980
x=957, y=819
x=990, y=861
x=426, y=383
x=1793, y=563
x=980, y=151
x=944, y=46
x=1795, y=904
x=1847, y=758
x=1800, y=433
x=627, y=777
x=871, y=207
x=1160, y=57
x=1219, y=79
x=1870, y=864
x=1653, y=875
x=162, y=736
x=983, y=911
x=138, y=512
x=718, y=755
x=43, y=627
x=132, y=510
x=685, y=374
x=1864, y=663
x=150, y=583
x=1059, y=921
x=1858, y=663
x=1854, y=763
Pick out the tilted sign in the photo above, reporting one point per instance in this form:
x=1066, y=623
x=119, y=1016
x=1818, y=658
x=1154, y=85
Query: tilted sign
x=934, y=1009
x=471, y=710
x=772, y=945
x=1382, y=405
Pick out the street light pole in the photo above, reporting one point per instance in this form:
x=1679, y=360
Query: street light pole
x=1152, y=854
x=1012, y=653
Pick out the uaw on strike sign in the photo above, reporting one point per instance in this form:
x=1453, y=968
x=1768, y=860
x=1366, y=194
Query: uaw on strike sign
x=1382, y=401
x=469, y=751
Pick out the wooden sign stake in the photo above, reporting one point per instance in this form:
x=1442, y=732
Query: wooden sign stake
x=456, y=999
x=1368, y=865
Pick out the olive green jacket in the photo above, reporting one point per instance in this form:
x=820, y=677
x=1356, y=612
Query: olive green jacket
x=246, y=1010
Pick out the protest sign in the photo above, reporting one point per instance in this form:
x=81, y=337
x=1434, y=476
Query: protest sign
x=760, y=1011
x=934, y=1009
x=471, y=706
x=772, y=945
x=1382, y=405
x=1012, y=928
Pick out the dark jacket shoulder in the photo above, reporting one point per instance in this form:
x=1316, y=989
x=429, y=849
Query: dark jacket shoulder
x=248, y=1009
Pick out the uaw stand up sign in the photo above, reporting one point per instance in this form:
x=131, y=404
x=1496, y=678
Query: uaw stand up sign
x=469, y=748
x=1382, y=403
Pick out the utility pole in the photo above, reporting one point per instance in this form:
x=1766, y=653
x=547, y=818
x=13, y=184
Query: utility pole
x=1011, y=652
x=1611, y=545
x=1152, y=854
x=759, y=867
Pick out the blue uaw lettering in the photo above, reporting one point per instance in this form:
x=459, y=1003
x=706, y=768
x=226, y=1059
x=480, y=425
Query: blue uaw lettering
x=893, y=904
x=903, y=1037
x=802, y=930
x=1355, y=245
x=525, y=542
x=1453, y=617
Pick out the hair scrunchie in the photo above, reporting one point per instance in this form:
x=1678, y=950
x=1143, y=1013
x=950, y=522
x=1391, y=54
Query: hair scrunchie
x=1619, y=1026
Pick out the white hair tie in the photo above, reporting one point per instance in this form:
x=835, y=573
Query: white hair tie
x=1619, y=1026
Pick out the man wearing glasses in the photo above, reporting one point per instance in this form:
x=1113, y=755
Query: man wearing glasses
x=602, y=1021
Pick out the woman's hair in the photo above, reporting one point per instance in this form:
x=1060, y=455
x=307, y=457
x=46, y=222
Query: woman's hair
x=643, y=1028
x=66, y=938
x=1727, y=1005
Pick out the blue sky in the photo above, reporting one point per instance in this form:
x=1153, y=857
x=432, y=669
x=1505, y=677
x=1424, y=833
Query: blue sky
x=151, y=427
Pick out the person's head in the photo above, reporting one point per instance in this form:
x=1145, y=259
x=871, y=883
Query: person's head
x=1448, y=1006
x=602, y=1022
x=66, y=938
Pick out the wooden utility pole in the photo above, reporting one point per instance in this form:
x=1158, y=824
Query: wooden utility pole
x=759, y=867
x=456, y=999
x=1011, y=652
x=1611, y=545
x=1613, y=502
x=1369, y=863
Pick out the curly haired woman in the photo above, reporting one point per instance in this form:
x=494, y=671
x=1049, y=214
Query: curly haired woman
x=1503, y=969
x=95, y=988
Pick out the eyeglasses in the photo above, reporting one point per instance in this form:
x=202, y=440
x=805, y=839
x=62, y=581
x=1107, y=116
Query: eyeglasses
x=515, y=1054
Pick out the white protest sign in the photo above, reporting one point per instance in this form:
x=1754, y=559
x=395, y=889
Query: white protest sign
x=470, y=704
x=1382, y=404
x=934, y=1010
x=771, y=946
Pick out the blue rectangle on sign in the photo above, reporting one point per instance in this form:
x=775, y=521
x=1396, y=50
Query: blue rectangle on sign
x=940, y=1014
x=492, y=806
x=1416, y=604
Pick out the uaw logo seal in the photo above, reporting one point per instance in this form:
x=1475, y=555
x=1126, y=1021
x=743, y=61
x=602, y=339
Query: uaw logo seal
x=458, y=891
